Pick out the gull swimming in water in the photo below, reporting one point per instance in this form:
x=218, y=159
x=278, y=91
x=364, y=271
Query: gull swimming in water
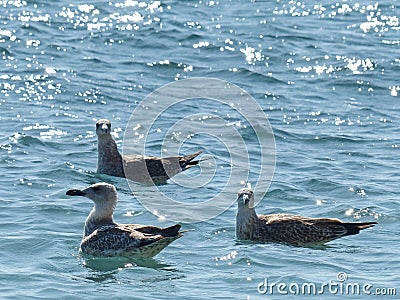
x=105, y=238
x=144, y=169
x=287, y=228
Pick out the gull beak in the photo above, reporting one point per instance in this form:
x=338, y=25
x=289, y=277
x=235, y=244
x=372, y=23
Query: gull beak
x=75, y=193
x=246, y=199
x=104, y=127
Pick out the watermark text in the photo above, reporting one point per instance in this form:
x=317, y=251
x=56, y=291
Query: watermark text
x=340, y=286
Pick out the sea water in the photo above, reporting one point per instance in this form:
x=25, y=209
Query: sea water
x=326, y=76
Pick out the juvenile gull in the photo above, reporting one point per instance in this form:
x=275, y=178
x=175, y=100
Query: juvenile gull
x=105, y=238
x=287, y=228
x=145, y=169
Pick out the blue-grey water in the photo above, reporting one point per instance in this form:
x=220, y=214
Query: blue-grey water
x=327, y=75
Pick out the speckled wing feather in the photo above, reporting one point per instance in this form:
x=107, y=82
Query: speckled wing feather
x=124, y=240
x=144, y=169
x=298, y=230
x=163, y=167
x=147, y=169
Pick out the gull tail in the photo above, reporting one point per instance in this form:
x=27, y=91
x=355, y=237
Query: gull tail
x=354, y=228
x=172, y=231
x=188, y=161
x=169, y=232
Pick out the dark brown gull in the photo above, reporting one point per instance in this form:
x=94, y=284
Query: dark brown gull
x=104, y=238
x=287, y=228
x=144, y=169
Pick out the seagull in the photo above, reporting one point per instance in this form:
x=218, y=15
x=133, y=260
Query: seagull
x=143, y=169
x=104, y=238
x=287, y=228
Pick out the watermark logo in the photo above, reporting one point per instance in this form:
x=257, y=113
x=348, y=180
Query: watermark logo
x=206, y=114
x=341, y=276
x=340, y=286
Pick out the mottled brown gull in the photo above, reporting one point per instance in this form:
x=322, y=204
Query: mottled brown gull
x=144, y=169
x=287, y=228
x=104, y=238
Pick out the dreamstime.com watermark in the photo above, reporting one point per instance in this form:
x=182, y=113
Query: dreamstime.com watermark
x=340, y=286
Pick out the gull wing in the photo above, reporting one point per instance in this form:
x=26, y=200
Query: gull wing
x=128, y=240
x=146, y=169
x=300, y=230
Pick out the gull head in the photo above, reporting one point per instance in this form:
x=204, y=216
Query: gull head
x=245, y=198
x=102, y=194
x=103, y=127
